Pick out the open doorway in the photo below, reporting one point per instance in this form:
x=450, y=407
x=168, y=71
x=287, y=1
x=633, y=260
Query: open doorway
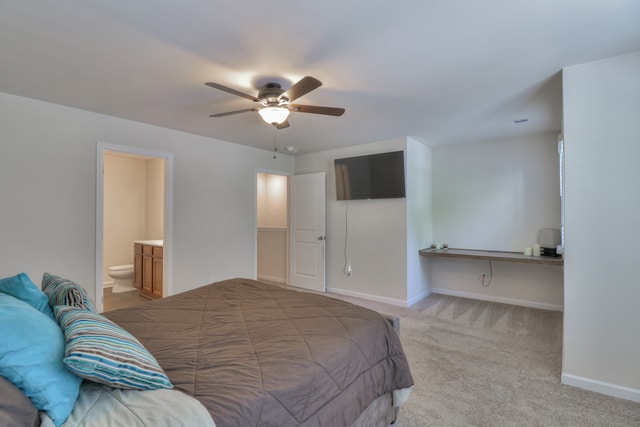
x=132, y=215
x=272, y=228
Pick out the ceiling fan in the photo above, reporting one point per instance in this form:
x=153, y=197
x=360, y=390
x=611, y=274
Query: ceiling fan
x=275, y=102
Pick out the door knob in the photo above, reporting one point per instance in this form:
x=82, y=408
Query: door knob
x=321, y=238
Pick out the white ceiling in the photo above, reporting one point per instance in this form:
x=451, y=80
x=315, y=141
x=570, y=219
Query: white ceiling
x=440, y=71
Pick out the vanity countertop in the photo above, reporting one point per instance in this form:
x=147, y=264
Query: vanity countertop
x=159, y=242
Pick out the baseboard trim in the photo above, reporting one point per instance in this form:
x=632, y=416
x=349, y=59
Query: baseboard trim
x=386, y=300
x=491, y=298
x=418, y=298
x=601, y=387
x=272, y=278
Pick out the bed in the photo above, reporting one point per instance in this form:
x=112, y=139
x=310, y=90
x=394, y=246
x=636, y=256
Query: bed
x=239, y=353
x=256, y=354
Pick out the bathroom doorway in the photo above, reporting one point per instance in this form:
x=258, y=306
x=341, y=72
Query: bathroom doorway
x=272, y=228
x=133, y=190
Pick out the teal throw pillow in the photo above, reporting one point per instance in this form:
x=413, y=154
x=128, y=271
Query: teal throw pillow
x=21, y=287
x=31, y=353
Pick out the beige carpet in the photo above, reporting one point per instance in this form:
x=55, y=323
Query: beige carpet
x=477, y=363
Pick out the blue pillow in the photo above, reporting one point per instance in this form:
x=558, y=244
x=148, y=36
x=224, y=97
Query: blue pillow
x=24, y=289
x=31, y=352
x=99, y=350
x=62, y=291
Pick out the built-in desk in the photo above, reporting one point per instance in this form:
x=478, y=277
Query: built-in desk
x=492, y=256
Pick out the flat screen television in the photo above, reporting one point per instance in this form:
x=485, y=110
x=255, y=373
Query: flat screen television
x=375, y=176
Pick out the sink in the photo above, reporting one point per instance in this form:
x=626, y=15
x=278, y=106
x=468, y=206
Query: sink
x=157, y=242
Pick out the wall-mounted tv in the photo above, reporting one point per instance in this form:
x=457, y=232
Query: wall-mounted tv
x=375, y=176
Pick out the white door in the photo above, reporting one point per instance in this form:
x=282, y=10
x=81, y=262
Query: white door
x=307, y=231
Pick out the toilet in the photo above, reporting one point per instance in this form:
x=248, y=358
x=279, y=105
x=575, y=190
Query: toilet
x=122, y=276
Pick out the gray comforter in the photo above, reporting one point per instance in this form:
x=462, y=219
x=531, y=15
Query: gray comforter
x=261, y=355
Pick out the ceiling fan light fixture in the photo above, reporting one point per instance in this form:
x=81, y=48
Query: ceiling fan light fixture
x=274, y=115
x=274, y=103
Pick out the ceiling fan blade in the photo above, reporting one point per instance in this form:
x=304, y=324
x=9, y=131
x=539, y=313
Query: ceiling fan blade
x=283, y=125
x=329, y=111
x=232, y=91
x=233, y=112
x=302, y=87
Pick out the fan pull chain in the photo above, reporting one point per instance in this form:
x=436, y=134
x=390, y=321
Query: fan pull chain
x=275, y=142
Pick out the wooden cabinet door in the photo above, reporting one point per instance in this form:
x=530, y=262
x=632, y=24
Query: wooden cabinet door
x=147, y=275
x=137, y=265
x=157, y=252
x=157, y=277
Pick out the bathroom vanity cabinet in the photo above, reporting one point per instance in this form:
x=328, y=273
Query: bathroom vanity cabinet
x=147, y=266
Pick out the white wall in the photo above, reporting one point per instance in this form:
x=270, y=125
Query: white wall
x=512, y=186
x=419, y=219
x=48, y=180
x=530, y=285
x=602, y=177
x=377, y=232
x=154, y=214
x=497, y=195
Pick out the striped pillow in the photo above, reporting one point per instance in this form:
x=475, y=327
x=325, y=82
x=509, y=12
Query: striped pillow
x=64, y=292
x=99, y=350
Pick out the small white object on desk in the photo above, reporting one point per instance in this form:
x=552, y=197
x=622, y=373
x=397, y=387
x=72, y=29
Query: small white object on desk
x=528, y=251
x=537, y=251
x=438, y=246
